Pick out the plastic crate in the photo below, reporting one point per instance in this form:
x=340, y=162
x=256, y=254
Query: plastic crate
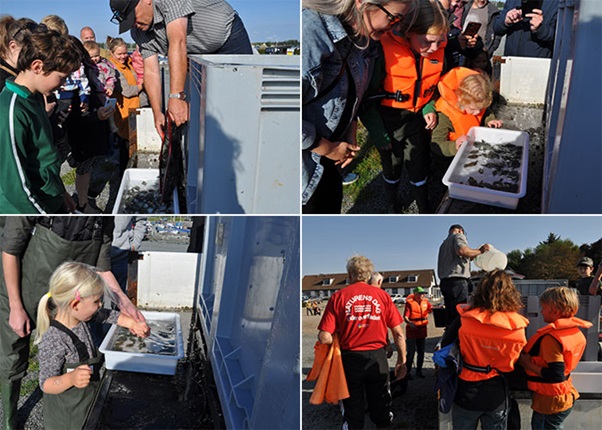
x=141, y=362
x=456, y=177
x=146, y=179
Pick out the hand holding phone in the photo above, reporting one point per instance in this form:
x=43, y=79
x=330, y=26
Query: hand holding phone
x=527, y=6
x=472, y=28
x=111, y=102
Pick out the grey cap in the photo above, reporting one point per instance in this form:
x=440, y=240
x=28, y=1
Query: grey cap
x=586, y=261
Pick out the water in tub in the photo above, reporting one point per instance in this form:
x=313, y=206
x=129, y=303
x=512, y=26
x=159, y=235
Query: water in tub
x=162, y=340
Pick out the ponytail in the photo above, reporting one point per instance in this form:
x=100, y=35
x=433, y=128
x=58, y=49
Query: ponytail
x=46, y=308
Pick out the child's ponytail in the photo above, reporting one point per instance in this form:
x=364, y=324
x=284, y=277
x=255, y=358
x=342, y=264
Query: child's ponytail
x=45, y=310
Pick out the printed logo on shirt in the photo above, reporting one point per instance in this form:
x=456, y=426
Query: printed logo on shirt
x=363, y=307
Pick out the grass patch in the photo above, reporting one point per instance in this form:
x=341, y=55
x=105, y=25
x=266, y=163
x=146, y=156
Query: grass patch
x=366, y=165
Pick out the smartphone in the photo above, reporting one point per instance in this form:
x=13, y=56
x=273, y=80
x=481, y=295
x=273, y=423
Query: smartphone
x=111, y=102
x=527, y=6
x=63, y=105
x=472, y=28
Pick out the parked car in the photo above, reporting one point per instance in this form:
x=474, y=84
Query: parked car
x=398, y=299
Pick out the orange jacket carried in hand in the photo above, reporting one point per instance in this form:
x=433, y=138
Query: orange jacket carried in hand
x=416, y=83
x=448, y=103
x=490, y=339
x=328, y=370
x=566, y=332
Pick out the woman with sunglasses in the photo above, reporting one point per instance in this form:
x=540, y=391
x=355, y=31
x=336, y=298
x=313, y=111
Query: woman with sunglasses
x=12, y=35
x=400, y=120
x=337, y=62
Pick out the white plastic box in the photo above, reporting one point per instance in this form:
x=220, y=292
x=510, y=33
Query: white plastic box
x=142, y=362
x=456, y=173
x=145, y=179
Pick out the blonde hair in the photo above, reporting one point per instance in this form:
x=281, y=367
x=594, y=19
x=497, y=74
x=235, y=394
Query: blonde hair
x=476, y=89
x=70, y=281
x=90, y=45
x=350, y=14
x=430, y=19
x=562, y=299
x=359, y=268
x=115, y=42
x=56, y=23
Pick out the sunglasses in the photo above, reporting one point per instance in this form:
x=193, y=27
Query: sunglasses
x=393, y=19
x=31, y=27
x=118, y=17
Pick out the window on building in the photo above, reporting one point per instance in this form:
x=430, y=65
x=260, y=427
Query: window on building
x=393, y=279
x=413, y=279
x=327, y=281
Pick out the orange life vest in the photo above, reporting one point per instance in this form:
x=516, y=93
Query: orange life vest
x=418, y=311
x=448, y=103
x=412, y=84
x=566, y=332
x=490, y=340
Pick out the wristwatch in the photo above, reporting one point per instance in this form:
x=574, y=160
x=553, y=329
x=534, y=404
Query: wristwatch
x=181, y=95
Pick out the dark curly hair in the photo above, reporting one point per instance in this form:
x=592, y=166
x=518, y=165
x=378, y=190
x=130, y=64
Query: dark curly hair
x=57, y=52
x=497, y=293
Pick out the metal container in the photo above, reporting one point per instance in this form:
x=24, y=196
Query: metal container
x=458, y=176
x=243, y=136
x=143, y=362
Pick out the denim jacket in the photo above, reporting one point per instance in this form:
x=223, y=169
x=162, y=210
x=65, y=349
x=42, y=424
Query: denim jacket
x=325, y=46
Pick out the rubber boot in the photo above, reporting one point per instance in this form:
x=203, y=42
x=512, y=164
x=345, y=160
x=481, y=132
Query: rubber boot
x=421, y=194
x=391, y=191
x=10, y=398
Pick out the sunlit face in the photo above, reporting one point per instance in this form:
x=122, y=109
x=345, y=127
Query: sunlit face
x=425, y=44
x=548, y=313
x=95, y=55
x=585, y=271
x=144, y=15
x=87, y=307
x=87, y=35
x=480, y=3
x=120, y=53
x=378, y=22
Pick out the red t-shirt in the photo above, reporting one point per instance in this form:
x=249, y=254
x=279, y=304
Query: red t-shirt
x=361, y=314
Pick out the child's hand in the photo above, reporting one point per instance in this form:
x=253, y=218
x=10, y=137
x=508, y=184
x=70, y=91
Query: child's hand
x=84, y=107
x=431, y=120
x=140, y=329
x=109, y=91
x=80, y=377
x=496, y=123
x=460, y=140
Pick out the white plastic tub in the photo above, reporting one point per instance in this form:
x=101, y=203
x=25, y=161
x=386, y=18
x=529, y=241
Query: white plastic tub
x=456, y=177
x=491, y=260
x=587, y=377
x=144, y=362
x=146, y=179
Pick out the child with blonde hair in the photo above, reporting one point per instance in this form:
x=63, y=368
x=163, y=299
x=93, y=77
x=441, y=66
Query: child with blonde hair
x=69, y=361
x=550, y=356
x=105, y=73
x=465, y=97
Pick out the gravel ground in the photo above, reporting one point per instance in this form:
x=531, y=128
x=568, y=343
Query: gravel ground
x=417, y=409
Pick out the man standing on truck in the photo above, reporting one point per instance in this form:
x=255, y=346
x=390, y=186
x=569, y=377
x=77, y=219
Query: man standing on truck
x=176, y=28
x=453, y=268
x=360, y=314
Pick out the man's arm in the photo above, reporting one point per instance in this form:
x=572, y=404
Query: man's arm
x=593, y=287
x=467, y=252
x=400, y=343
x=18, y=319
x=178, y=65
x=152, y=86
x=124, y=303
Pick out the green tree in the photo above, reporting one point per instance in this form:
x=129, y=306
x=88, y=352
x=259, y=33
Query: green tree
x=592, y=250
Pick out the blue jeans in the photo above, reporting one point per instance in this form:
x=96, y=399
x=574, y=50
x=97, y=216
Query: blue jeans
x=551, y=421
x=463, y=419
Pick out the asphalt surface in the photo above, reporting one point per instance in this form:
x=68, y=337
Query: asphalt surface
x=416, y=409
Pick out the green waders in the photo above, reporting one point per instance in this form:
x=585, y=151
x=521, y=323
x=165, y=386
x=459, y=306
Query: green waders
x=68, y=410
x=45, y=252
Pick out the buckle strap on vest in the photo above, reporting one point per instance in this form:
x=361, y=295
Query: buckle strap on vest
x=478, y=369
x=82, y=351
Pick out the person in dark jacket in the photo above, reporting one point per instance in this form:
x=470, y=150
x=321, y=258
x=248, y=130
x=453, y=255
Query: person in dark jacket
x=485, y=13
x=528, y=35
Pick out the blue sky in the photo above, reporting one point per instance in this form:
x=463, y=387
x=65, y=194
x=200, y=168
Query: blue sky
x=266, y=20
x=412, y=242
